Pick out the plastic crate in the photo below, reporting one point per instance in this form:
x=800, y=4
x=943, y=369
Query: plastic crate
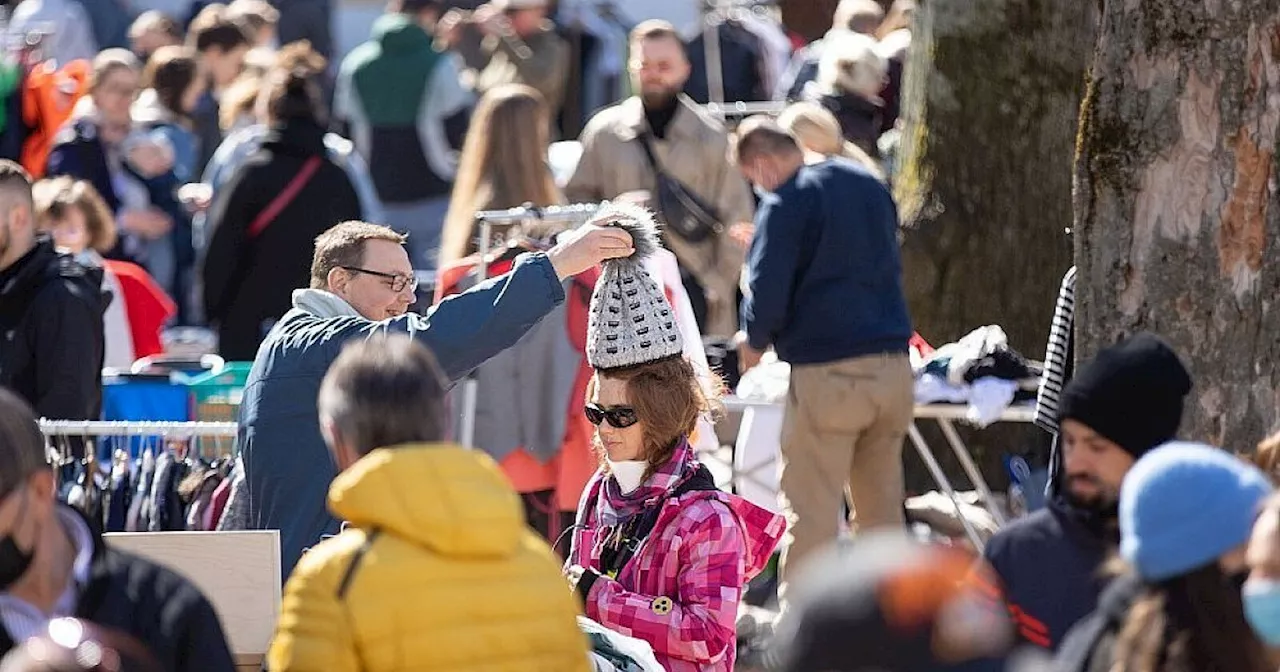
x=215, y=396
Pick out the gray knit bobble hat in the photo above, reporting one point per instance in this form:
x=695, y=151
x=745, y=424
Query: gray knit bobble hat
x=631, y=322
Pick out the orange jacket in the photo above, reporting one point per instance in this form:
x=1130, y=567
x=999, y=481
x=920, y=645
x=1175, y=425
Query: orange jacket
x=49, y=95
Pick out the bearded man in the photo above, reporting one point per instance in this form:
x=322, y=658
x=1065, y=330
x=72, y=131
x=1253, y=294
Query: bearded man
x=1124, y=403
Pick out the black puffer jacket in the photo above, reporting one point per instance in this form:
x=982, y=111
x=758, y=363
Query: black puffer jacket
x=249, y=282
x=51, y=338
x=154, y=605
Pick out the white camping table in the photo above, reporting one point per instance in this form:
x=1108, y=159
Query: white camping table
x=757, y=452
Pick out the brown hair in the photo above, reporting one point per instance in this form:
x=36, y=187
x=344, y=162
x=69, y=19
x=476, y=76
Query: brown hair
x=239, y=98
x=1267, y=456
x=343, y=245
x=759, y=135
x=503, y=164
x=1190, y=622
x=171, y=71
x=385, y=391
x=220, y=33
x=655, y=29
x=668, y=398
x=55, y=198
x=292, y=87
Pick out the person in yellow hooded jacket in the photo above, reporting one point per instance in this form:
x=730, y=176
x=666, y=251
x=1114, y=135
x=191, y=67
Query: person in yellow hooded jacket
x=436, y=569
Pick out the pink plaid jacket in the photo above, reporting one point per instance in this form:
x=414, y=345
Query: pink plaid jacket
x=680, y=591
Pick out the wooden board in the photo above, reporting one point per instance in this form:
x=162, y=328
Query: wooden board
x=238, y=571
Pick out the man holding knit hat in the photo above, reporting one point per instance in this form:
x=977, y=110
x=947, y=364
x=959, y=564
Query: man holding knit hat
x=1124, y=403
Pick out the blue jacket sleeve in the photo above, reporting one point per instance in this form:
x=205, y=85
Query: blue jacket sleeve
x=771, y=269
x=466, y=330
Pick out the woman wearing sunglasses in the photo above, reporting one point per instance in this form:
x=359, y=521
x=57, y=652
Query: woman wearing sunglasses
x=658, y=552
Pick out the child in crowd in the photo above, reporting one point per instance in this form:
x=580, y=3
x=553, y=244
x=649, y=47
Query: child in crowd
x=81, y=224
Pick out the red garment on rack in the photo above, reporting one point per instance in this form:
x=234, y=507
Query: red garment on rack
x=567, y=474
x=146, y=305
x=49, y=95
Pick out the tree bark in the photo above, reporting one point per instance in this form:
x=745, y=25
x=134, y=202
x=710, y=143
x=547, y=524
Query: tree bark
x=991, y=101
x=1176, y=204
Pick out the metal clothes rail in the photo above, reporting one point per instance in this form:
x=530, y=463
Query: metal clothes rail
x=97, y=428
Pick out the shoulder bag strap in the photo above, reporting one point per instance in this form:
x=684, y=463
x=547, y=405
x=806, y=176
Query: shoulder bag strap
x=283, y=199
x=646, y=143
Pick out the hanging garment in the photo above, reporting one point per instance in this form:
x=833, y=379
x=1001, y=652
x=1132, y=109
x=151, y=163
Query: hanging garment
x=166, y=504
x=218, y=504
x=49, y=96
x=1059, y=355
x=139, y=517
x=147, y=307
x=119, y=497
x=741, y=56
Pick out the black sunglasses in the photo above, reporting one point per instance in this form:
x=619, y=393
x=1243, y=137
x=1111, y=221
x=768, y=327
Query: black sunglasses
x=398, y=282
x=621, y=417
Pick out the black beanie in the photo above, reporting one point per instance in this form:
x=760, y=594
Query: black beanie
x=1131, y=393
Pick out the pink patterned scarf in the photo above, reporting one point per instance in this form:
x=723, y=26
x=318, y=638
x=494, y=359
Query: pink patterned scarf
x=614, y=508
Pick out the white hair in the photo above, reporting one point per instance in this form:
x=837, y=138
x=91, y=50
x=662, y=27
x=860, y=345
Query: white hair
x=850, y=64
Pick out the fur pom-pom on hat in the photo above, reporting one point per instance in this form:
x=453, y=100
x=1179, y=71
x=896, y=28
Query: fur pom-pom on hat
x=630, y=320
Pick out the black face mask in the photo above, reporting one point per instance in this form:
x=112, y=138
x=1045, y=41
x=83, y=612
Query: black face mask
x=14, y=562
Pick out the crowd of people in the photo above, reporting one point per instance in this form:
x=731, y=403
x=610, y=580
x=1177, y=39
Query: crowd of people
x=220, y=172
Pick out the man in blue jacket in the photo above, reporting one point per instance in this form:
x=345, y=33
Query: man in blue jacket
x=362, y=284
x=825, y=291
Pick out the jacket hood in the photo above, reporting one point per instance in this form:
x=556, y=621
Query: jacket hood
x=398, y=34
x=762, y=529
x=322, y=304
x=444, y=497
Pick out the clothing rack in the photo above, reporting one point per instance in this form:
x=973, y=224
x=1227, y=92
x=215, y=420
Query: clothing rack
x=96, y=428
x=743, y=108
x=205, y=439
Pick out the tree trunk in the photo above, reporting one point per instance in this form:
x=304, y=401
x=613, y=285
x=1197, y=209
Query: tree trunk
x=1176, y=205
x=810, y=18
x=991, y=100
x=992, y=96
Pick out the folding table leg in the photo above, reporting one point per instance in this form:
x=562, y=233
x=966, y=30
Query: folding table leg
x=970, y=468
x=938, y=475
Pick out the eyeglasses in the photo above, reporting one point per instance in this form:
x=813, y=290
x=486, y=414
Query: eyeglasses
x=398, y=282
x=621, y=417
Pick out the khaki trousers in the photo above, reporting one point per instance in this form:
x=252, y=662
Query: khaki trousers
x=845, y=423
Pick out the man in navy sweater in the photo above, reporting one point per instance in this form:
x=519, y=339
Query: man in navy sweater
x=825, y=292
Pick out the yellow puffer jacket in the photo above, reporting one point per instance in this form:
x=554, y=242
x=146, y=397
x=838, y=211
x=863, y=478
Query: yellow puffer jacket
x=437, y=572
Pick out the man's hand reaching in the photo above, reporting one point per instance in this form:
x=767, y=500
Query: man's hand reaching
x=584, y=247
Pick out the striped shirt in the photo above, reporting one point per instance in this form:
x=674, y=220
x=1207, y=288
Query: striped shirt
x=23, y=620
x=1058, y=356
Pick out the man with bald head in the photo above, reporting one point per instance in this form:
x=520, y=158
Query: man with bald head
x=51, y=338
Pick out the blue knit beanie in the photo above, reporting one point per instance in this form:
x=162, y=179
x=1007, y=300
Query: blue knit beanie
x=1184, y=504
